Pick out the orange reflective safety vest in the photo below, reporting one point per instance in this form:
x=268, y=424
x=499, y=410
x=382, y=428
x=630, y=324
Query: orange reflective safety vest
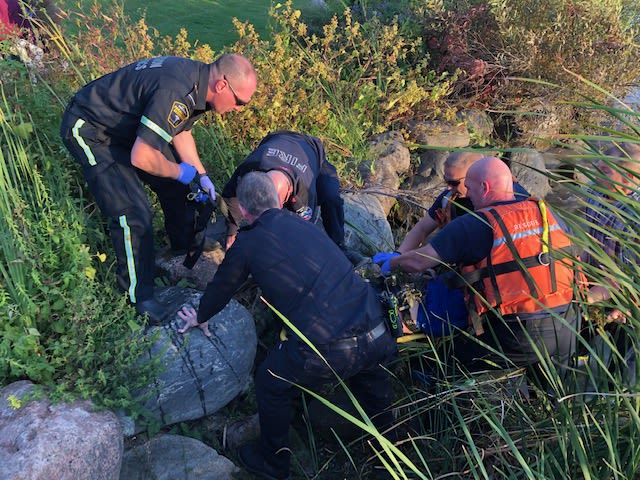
x=530, y=266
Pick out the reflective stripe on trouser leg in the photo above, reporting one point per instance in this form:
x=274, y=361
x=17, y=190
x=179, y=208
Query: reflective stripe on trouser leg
x=87, y=151
x=131, y=266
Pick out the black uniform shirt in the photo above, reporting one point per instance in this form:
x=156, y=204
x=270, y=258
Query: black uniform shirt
x=154, y=99
x=300, y=156
x=302, y=273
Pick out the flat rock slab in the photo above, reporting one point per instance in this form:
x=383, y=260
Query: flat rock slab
x=174, y=457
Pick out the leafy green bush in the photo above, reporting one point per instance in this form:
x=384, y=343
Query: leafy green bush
x=489, y=41
x=61, y=326
x=353, y=80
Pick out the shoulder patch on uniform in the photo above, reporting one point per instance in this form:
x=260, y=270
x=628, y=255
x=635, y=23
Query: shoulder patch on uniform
x=178, y=114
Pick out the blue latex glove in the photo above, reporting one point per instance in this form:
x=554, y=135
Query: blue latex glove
x=197, y=194
x=187, y=173
x=382, y=257
x=385, y=269
x=207, y=186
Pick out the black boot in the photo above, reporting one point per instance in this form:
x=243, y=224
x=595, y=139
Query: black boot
x=253, y=461
x=155, y=311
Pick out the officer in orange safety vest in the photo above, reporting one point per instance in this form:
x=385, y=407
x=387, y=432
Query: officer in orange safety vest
x=518, y=265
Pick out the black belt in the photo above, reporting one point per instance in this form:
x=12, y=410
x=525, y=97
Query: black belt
x=352, y=342
x=543, y=314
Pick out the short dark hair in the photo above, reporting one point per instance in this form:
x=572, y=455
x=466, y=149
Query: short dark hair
x=233, y=66
x=463, y=159
x=257, y=193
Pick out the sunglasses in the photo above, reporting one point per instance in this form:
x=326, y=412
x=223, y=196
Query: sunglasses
x=453, y=183
x=239, y=103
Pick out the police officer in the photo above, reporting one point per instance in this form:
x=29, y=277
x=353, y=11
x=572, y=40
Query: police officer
x=303, y=274
x=134, y=125
x=305, y=181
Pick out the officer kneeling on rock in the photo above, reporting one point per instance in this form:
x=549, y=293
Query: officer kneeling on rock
x=305, y=276
x=134, y=125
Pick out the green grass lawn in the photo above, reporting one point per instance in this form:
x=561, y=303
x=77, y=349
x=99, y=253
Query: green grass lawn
x=207, y=21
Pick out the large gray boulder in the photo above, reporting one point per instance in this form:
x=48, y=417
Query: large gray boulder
x=432, y=163
x=423, y=188
x=200, y=374
x=173, y=457
x=390, y=160
x=439, y=133
x=479, y=125
x=66, y=441
x=544, y=121
x=366, y=227
x=529, y=169
x=418, y=193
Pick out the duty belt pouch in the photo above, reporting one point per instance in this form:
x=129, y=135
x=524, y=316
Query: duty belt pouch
x=204, y=210
x=391, y=313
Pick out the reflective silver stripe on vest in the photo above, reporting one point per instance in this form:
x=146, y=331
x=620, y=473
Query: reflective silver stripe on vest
x=131, y=266
x=525, y=233
x=87, y=151
x=153, y=126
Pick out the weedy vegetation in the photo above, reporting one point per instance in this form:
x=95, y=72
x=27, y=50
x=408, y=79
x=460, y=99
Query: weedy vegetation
x=343, y=74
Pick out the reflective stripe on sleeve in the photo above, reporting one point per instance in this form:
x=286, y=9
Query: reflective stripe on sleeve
x=87, y=151
x=154, y=127
x=131, y=266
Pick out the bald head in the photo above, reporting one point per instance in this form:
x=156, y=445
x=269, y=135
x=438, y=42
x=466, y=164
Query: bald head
x=489, y=180
x=232, y=83
x=282, y=184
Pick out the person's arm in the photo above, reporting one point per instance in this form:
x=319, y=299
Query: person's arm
x=331, y=203
x=418, y=234
x=151, y=160
x=425, y=227
x=185, y=146
x=233, y=220
x=232, y=273
x=417, y=260
x=466, y=240
x=601, y=293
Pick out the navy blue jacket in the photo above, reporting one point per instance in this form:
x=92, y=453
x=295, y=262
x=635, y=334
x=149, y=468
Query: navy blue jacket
x=302, y=273
x=301, y=157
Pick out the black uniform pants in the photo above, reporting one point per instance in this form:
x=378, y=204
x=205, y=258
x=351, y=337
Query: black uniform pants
x=120, y=196
x=358, y=360
x=331, y=203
